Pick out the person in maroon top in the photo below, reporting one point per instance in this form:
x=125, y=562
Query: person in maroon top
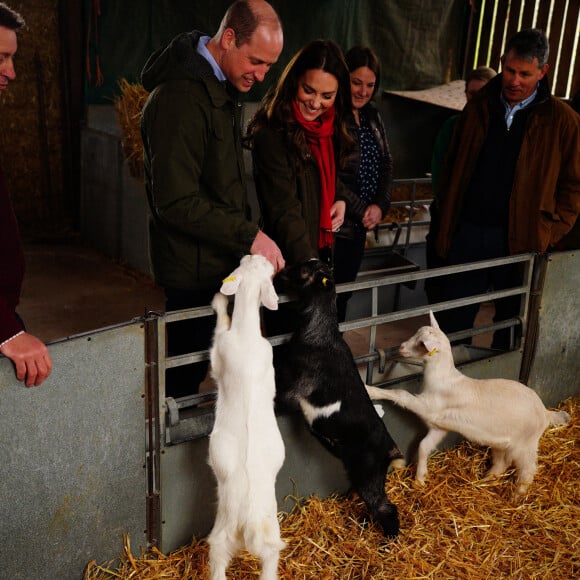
x=29, y=354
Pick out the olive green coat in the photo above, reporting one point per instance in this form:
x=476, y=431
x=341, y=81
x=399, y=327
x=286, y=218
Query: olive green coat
x=194, y=170
x=289, y=198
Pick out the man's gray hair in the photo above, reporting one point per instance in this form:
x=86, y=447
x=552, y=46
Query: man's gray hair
x=10, y=18
x=530, y=44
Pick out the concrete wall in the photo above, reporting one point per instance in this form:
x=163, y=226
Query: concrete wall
x=114, y=210
x=72, y=456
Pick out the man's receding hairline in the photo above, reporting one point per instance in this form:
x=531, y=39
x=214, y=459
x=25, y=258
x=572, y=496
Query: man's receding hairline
x=265, y=15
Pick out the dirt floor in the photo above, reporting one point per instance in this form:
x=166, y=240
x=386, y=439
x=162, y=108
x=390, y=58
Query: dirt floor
x=70, y=289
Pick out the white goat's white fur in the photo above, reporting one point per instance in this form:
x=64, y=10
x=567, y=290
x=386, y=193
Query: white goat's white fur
x=500, y=413
x=246, y=450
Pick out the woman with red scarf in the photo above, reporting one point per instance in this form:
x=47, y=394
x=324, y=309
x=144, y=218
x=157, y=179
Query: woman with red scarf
x=298, y=138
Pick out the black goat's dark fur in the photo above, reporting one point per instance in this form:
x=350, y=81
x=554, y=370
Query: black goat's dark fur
x=317, y=366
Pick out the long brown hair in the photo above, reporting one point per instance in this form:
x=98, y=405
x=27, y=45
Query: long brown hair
x=359, y=56
x=275, y=110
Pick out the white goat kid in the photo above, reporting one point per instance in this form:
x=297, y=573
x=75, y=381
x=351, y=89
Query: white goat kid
x=500, y=413
x=246, y=450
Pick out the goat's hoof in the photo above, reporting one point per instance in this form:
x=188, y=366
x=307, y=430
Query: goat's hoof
x=399, y=463
x=390, y=528
x=520, y=493
x=388, y=517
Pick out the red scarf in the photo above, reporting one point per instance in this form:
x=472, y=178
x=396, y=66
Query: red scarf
x=319, y=138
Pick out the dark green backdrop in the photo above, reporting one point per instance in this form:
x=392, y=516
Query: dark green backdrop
x=420, y=42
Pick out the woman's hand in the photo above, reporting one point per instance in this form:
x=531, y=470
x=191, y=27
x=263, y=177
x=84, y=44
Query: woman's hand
x=372, y=217
x=337, y=211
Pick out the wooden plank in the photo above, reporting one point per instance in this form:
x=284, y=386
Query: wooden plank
x=568, y=57
x=499, y=36
x=528, y=13
x=543, y=14
x=485, y=30
x=513, y=25
x=469, y=52
x=576, y=74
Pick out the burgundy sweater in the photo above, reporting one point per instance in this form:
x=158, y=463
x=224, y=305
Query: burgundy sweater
x=11, y=266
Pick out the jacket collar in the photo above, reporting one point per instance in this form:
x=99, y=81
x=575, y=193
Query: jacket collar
x=493, y=89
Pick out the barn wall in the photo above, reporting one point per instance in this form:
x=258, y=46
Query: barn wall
x=31, y=138
x=419, y=42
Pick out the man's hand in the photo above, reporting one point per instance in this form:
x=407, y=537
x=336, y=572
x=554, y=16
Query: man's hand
x=30, y=357
x=265, y=246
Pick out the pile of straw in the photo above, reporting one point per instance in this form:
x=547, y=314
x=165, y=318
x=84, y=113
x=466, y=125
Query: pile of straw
x=454, y=527
x=128, y=106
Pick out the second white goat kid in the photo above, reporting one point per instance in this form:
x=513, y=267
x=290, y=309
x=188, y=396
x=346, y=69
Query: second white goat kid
x=500, y=413
x=246, y=450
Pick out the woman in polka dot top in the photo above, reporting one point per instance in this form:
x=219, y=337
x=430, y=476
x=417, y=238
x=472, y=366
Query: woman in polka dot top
x=369, y=171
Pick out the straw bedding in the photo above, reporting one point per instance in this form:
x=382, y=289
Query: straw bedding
x=454, y=527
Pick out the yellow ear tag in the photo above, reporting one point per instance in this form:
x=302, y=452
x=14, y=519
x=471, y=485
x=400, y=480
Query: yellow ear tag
x=432, y=352
x=324, y=281
x=229, y=279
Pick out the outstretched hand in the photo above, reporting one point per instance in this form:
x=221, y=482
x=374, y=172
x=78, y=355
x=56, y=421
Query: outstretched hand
x=265, y=246
x=30, y=357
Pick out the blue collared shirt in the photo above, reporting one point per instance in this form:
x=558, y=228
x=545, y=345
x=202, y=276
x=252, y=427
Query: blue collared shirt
x=511, y=111
x=203, y=51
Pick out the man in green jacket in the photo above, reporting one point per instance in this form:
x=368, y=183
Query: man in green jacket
x=200, y=223
x=511, y=180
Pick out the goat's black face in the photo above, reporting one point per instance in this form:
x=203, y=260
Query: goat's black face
x=310, y=275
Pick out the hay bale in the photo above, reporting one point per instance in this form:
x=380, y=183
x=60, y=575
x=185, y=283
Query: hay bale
x=454, y=527
x=128, y=106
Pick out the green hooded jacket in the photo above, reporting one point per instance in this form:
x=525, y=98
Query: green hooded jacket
x=200, y=223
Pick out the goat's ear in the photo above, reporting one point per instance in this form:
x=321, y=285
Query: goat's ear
x=430, y=343
x=268, y=295
x=432, y=320
x=231, y=284
x=325, y=280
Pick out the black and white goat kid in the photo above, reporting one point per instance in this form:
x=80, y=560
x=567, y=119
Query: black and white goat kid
x=316, y=373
